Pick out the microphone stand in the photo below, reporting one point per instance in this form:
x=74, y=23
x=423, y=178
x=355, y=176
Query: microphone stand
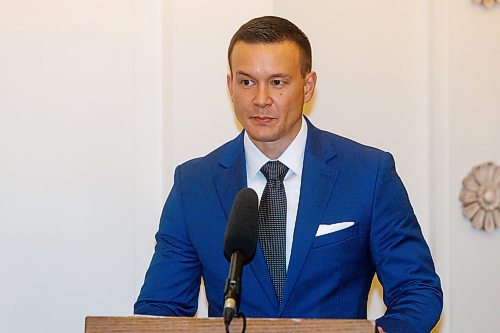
x=232, y=291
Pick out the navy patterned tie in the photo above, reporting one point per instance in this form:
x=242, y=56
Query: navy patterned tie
x=272, y=223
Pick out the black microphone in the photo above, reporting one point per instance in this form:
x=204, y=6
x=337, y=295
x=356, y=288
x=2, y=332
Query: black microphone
x=240, y=241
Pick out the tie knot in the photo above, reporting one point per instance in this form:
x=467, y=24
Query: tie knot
x=274, y=170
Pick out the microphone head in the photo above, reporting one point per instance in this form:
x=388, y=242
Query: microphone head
x=241, y=230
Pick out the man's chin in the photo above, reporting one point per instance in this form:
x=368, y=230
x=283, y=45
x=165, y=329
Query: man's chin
x=262, y=133
x=262, y=138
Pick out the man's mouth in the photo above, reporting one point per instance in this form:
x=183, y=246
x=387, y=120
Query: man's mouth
x=262, y=119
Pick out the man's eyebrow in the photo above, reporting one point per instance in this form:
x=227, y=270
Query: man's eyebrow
x=276, y=75
x=240, y=72
x=281, y=75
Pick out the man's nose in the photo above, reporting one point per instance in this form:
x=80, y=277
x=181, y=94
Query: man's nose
x=263, y=96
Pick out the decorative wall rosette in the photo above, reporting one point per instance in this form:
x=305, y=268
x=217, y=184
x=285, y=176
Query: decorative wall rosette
x=480, y=196
x=486, y=3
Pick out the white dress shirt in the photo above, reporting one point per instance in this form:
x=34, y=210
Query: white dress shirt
x=293, y=158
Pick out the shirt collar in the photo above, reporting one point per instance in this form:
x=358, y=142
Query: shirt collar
x=292, y=157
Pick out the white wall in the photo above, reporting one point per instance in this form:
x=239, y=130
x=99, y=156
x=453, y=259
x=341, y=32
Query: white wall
x=99, y=100
x=474, y=131
x=80, y=158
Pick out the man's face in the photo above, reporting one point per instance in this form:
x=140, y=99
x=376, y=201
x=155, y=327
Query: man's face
x=269, y=92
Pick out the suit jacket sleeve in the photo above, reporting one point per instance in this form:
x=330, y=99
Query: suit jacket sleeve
x=412, y=290
x=172, y=281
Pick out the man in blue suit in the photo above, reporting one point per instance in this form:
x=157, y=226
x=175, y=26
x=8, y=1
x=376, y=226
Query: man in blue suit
x=347, y=213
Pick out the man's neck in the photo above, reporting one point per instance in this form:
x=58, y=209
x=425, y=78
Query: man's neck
x=274, y=149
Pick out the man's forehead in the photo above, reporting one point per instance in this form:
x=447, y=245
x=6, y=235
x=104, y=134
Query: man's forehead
x=281, y=56
x=285, y=44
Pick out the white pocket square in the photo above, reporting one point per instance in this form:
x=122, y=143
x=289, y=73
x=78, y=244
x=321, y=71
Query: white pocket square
x=324, y=229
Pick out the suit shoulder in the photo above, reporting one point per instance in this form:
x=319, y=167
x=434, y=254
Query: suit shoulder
x=230, y=149
x=348, y=147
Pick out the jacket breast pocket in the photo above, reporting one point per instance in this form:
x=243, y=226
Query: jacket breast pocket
x=336, y=237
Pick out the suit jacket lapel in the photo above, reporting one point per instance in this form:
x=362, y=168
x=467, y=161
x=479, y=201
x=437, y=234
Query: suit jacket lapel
x=317, y=183
x=232, y=177
x=228, y=182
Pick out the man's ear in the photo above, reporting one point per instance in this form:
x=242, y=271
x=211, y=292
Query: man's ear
x=229, y=80
x=309, y=85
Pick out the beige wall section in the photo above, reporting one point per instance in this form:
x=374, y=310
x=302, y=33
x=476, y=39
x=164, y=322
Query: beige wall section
x=439, y=194
x=474, y=121
x=80, y=158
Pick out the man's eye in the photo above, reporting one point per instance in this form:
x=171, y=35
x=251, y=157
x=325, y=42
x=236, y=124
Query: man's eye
x=246, y=82
x=277, y=82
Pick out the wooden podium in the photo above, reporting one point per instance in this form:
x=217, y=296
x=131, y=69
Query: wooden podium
x=146, y=324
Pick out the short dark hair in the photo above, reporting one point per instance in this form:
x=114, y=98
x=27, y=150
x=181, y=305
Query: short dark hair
x=273, y=29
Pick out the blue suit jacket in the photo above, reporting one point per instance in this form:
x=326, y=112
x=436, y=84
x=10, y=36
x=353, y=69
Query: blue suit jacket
x=328, y=276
